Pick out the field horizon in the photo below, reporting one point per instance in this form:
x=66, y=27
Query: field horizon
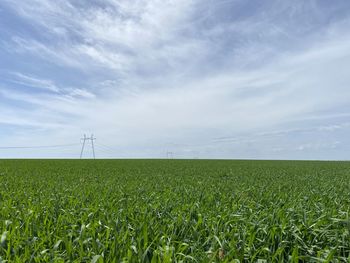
x=184, y=159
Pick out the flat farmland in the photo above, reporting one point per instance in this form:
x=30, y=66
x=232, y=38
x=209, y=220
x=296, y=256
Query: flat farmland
x=174, y=211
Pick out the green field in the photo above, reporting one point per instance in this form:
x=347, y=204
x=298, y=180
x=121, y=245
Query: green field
x=174, y=211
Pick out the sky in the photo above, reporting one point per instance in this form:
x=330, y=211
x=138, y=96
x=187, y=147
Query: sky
x=231, y=79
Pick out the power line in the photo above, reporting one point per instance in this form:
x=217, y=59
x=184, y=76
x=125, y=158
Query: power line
x=102, y=150
x=107, y=147
x=38, y=146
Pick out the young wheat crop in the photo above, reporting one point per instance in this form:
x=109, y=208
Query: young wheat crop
x=174, y=211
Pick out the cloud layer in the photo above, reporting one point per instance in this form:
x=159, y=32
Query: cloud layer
x=200, y=78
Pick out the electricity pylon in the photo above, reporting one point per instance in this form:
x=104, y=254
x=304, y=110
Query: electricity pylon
x=169, y=155
x=91, y=138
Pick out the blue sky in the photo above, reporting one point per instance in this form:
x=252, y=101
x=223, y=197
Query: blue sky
x=199, y=78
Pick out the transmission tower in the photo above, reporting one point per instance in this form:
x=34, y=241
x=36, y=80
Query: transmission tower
x=169, y=155
x=85, y=139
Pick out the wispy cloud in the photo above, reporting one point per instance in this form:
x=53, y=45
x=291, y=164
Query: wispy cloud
x=34, y=82
x=157, y=74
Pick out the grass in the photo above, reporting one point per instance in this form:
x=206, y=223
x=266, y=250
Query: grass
x=174, y=211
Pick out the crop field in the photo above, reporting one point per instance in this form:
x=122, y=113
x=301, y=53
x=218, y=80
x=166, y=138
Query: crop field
x=174, y=211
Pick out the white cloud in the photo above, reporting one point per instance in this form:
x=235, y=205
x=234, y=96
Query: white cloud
x=318, y=146
x=34, y=82
x=81, y=93
x=176, y=76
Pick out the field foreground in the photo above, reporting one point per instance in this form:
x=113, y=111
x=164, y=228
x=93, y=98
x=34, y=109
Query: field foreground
x=174, y=211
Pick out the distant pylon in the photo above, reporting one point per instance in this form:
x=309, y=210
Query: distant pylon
x=91, y=138
x=169, y=155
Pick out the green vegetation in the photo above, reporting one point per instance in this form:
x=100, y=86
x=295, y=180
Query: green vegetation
x=174, y=211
